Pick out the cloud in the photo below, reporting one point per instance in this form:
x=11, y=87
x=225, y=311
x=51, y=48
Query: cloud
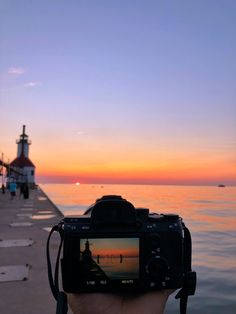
x=16, y=71
x=32, y=84
x=17, y=87
x=80, y=132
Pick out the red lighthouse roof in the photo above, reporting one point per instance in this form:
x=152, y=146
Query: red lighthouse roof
x=21, y=162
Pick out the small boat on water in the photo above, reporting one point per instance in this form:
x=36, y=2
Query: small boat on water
x=221, y=186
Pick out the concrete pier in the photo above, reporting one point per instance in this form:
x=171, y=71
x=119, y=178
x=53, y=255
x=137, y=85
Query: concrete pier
x=24, y=224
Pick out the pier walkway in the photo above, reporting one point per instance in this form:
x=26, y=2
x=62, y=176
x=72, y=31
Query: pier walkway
x=24, y=224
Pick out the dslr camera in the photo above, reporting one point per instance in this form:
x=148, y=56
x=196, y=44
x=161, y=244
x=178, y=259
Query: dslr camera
x=115, y=247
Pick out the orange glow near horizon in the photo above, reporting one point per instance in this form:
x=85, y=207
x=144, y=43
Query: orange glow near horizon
x=131, y=162
x=143, y=172
x=102, y=159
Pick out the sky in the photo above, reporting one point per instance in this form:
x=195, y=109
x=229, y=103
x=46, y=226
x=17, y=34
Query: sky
x=128, y=91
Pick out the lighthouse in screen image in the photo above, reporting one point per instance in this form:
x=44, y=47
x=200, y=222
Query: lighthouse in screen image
x=22, y=163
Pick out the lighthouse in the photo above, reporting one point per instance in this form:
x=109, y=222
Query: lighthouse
x=22, y=163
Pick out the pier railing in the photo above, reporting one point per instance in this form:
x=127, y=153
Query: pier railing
x=11, y=172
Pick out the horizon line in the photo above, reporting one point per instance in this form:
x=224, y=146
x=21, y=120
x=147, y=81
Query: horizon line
x=138, y=183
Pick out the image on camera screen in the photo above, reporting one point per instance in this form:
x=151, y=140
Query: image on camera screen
x=110, y=258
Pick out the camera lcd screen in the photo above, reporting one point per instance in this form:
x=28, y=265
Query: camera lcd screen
x=110, y=258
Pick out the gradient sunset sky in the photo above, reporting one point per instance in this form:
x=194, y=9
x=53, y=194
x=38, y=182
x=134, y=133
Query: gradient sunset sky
x=124, y=91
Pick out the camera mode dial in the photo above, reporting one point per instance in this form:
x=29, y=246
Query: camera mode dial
x=171, y=217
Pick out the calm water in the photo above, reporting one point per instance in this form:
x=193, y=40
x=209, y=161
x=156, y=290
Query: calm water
x=210, y=214
x=115, y=268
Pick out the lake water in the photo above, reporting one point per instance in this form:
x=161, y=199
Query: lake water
x=117, y=268
x=209, y=213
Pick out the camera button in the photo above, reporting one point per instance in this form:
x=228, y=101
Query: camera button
x=171, y=217
x=157, y=268
x=85, y=227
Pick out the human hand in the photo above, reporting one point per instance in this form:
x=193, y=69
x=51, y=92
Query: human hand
x=103, y=303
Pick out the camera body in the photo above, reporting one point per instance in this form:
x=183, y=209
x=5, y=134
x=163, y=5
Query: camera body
x=116, y=247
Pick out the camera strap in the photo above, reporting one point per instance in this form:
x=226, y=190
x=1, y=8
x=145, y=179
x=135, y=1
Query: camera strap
x=60, y=296
x=189, y=284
